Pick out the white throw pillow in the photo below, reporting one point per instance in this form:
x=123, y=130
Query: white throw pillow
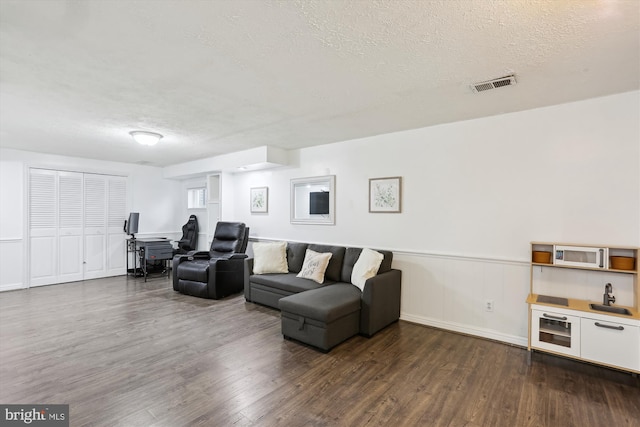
x=314, y=265
x=366, y=267
x=270, y=258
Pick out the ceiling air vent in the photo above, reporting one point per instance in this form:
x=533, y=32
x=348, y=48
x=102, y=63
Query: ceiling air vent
x=494, y=84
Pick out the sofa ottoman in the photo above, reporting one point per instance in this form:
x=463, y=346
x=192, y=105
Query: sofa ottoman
x=322, y=317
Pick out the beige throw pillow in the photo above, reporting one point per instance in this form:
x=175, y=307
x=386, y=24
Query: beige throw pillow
x=314, y=265
x=366, y=266
x=270, y=257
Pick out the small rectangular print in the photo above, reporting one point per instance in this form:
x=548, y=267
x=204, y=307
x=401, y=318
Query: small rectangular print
x=385, y=195
x=260, y=200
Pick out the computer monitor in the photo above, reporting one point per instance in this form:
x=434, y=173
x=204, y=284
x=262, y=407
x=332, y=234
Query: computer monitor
x=131, y=225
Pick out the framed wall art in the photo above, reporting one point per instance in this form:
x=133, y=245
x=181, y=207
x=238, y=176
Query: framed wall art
x=385, y=195
x=260, y=200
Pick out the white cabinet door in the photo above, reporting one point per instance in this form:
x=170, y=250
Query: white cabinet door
x=55, y=226
x=95, y=226
x=117, y=211
x=104, y=215
x=43, y=227
x=555, y=332
x=70, y=240
x=611, y=343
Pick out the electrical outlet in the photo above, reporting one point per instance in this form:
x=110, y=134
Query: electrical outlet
x=488, y=305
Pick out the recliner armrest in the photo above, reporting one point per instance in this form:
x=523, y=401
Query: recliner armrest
x=230, y=255
x=177, y=260
x=198, y=255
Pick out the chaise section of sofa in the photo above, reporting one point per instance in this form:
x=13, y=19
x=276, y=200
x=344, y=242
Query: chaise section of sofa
x=379, y=300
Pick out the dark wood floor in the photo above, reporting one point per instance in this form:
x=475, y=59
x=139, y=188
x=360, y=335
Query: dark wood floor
x=123, y=352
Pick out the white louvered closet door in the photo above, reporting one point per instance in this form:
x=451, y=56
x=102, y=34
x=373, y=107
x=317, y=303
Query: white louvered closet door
x=95, y=226
x=75, y=226
x=43, y=227
x=116, y=249
x=70, y=241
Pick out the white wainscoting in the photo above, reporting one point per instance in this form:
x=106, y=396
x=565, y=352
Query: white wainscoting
x=450, y=291
x=11, y=264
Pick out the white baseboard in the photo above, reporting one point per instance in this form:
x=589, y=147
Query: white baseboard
x=466, y=329
x=12, y=287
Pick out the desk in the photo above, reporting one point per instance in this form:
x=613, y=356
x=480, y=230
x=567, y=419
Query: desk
x=145, y=249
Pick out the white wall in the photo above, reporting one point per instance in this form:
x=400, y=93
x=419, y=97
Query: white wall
x=149, y=193
x=475, y=193
x=11, y=214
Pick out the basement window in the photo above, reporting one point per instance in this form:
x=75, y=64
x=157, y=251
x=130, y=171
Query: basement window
x=197, y=198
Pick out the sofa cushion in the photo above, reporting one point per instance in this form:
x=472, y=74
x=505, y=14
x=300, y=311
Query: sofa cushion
x=366, y=267
x=335, y=263
x=386, y=262
x=195, y=271
x=314, y=265
x=286, y=282
x=295, y=255
x=325, y=304
x=270, y=257
x=351, y=257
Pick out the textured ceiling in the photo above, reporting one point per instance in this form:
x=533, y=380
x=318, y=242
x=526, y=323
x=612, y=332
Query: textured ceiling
x=221, y=76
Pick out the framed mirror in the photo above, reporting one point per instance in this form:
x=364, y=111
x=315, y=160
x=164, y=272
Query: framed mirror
x=313, y=200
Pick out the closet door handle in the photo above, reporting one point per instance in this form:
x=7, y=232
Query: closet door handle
x=548, y=316
x=617, y=328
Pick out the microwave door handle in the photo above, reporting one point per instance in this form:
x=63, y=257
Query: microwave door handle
x=601, y=258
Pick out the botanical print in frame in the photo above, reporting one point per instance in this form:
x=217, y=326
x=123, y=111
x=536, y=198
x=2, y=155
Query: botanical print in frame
x=385, y=194
x=260, y=200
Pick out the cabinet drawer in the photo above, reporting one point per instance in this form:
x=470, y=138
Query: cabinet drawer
x=611, y=343
x=556, y=332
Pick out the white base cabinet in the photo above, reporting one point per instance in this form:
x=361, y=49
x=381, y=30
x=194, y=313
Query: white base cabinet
x=557, y=332
x=611, y=343
x=607, y=340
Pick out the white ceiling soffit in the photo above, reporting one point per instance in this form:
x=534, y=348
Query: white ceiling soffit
x=215, y=77
x=253, y=159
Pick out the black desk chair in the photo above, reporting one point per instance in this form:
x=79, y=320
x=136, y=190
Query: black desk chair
x=219, y=272
x=189, y=240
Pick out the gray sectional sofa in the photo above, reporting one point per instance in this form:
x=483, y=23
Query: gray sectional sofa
x=323, y=315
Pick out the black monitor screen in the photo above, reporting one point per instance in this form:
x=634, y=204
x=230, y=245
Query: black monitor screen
x=319, y=203
x=131, y=226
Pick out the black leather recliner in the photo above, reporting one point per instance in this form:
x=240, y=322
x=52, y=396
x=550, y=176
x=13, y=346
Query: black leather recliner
x=189, y=240
x=219, y=272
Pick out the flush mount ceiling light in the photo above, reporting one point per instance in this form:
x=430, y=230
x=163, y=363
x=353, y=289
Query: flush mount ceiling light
x=145, y=138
